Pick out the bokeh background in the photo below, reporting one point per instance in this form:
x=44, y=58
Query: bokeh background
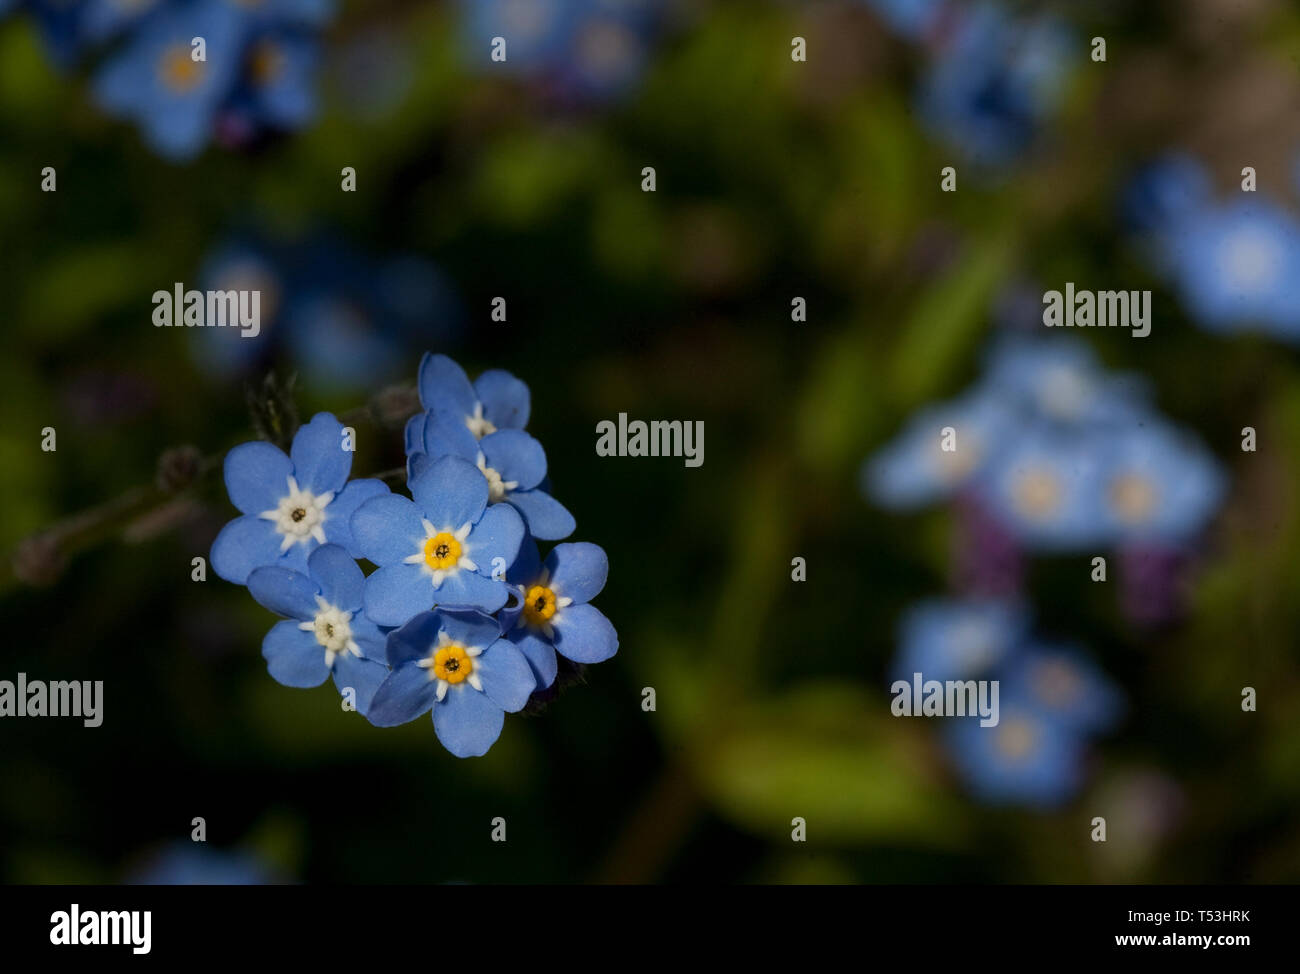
x=776, y=179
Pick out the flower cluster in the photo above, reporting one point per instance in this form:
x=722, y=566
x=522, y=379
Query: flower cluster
x=1051, y=699
x=256, y=72
x=992, y=78
x=1059, y=453
x=461, y=616
x=586, y=50
x=1235, y=263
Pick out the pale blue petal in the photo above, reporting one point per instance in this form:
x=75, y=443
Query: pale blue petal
x=284, y=592
x=293, y=656
x=443, y=382
x=539, y=653
x=578, y=570
x=320, y=463
x=506, y=401
x=245, y=543
x=506, y=676
x=467, y=722
x=365, y=676
x=406, y=693
x=470, y=590
x=257, y=476
x=387, y=529
x=339, y=576
x=451, y=492
x=584, y=635
x=546, y=517
x=395, y=593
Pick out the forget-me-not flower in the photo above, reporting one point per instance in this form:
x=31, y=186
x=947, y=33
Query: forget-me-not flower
x=291, y=503
x=949, y=639
x=325, y=631
x=447, y=547
x=456, y=664
x=553, y=615
x=1064, y=686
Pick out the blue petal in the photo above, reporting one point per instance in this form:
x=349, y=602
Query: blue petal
x=319, y=461
x=443, y=382
x=405, y=694
x=415, y=464
x=445, y=434
x=578, y=570
x=257, y=476
x=505, y=399
x=451, y=492
x=470, y=590
x=539, y=653
x=415, y=639
x=414, y=433
x=395, y=593
x=467, y=722
x=245, y=543
x=498, y=534
x=527, y=565
x=545, y=516
x=338, y=575
x=363, y=675
x=515, y=456
x=293, y=656
x=506, y=676
x=474, y=629
x=584, y=635
x=372, y=640
x=339, y=511
x=387, y=529
x=284, y=592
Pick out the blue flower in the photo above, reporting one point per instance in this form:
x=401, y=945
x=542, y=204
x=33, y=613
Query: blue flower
x=910, y=18
x=1026, y=758
x=1157, y=484
x=156, y=82
x=1045, y=489
x=457, y=664
x=916, y=468
x=496, y=400
x=325, y=631
x=536, y=32
x=552, y=615
x=958, y=640
x=278, y=89
x=447, y=547
x=512, y=462
x=240, y=265
x=1237, y=266
x=1166, y=192
x=989, y=88
x=1063, y=686
x=291, y=503
x=1059, y=381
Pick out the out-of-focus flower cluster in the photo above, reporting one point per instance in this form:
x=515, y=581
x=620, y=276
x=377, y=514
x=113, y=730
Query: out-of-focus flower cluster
x=1234, y=262
x=991, y=77
x=342, y=317
x=1051, y=699
x=189, y=71
x=462, y=615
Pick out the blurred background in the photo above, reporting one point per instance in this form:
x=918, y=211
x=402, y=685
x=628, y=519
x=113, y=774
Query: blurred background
x=776, y=179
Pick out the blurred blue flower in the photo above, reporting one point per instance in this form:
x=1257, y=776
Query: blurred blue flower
x=447, y=547
x=917, y=468
x=512, y=462
x=456, y=664
x=552, y=615
x=290, y=504
x=1166, y=192
x=155, y=80
x=993, y=82
x=1061, y=684
x=912, y=19
x=958, y=639
x=1044, y=487
x=1026, y=758
x=590, y=49
x=1238, y=266
x=1158, y=484
x=278, y=87
x=324, y=630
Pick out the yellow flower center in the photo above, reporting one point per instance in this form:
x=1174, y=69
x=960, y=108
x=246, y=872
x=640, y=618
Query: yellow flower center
x=1133, y=498
x=178, y=71
x=266, y=63
x=452, y=664
x=1037, y=494
x=442, y=551
x=1015, y=739
x=539, y=605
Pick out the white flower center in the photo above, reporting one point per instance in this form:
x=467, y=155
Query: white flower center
x=1250, y=261
x=478, y=424
x=332, y=628
x=497, y=488
x=299, y=516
